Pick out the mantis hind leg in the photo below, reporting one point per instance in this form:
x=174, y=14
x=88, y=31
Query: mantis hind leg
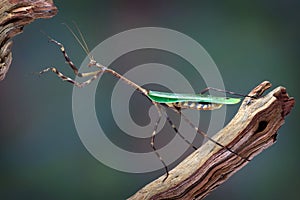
x=160, y=113
x=223, y=91
x=205, y=135
x=178, y=133
x=153, y=138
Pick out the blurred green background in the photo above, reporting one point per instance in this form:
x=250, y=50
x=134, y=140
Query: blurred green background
x=41, y=155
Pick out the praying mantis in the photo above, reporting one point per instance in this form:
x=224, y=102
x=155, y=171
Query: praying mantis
x=161, y=100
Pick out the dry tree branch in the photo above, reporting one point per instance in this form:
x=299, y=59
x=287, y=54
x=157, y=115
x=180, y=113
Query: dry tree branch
x=253, y=129
x=14, y=15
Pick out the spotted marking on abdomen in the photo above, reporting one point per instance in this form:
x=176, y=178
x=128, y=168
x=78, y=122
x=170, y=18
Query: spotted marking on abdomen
x=195, y=105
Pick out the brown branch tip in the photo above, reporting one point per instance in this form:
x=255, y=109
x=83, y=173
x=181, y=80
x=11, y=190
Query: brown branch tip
x=253, y=129
x=14, y=15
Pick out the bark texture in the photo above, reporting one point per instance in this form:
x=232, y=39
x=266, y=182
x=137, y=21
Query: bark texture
x=14, y=15
x=253, y=129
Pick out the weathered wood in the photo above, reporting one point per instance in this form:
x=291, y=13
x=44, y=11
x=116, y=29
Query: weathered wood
x=253, y=129
x=14, y=15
